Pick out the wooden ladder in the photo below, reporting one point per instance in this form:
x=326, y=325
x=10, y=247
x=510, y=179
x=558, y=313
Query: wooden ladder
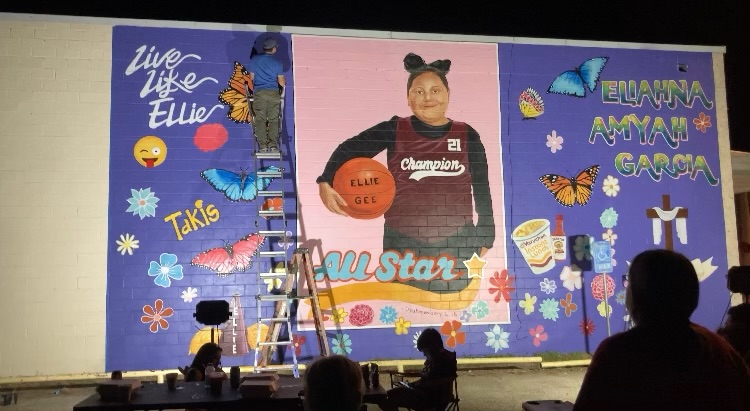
x=299, y=264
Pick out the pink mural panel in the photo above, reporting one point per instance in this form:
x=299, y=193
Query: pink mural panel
x=347, y=86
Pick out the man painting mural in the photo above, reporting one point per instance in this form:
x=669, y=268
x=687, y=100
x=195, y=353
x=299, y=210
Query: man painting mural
x=267, y=76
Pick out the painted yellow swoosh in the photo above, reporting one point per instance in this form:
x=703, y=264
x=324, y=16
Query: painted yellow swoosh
x=405, y=293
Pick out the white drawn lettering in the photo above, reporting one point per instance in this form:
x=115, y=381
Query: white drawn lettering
x=163, y=79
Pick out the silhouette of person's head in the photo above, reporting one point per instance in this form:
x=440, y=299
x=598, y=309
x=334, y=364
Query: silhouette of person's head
x=736, y=329
x=333, y=383
x=663, y=288
x=739, y=315
x=209, y=353
x=430, y=342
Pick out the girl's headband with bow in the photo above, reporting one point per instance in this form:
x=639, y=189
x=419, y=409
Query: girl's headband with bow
x=415, y=64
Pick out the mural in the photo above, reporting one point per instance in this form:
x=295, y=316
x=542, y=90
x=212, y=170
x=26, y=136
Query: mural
x=494, y=192
x=429, y=249
x=183, y=219
x=605, y=145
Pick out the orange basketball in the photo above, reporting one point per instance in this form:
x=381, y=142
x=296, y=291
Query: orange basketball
x=367, y=187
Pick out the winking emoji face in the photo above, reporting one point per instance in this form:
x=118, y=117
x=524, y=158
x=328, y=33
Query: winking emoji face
x=150, y=151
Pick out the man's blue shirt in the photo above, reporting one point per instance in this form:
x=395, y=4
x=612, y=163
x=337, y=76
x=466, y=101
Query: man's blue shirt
x=266, y=70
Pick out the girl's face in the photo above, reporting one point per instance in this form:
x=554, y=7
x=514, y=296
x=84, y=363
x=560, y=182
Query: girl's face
x=428, y=99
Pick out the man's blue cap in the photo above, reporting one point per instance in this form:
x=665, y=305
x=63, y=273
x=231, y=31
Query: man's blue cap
x=269, y=43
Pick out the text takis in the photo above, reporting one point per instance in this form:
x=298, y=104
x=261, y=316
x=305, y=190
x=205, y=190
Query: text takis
x=166, y=82
x=393, y=266
x=191, y=222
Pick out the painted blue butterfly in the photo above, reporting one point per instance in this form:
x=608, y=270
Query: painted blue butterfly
x=238, y=187
x=572, y=82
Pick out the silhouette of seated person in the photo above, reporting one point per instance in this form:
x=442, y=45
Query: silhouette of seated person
x=665, y=362
x=208, y=354
x=333, y=383
x=434, y=388
x=736, y=330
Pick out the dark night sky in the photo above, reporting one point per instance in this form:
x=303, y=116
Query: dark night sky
x=693, y=22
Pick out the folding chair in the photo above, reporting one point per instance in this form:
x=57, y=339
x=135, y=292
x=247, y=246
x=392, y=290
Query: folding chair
x=449, y=403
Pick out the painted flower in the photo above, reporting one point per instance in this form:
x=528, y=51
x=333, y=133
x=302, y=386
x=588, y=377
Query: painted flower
x=587, y=327
x=702, y=122
x=387, y=315
x=611, y=186
x=272, y=283
x=361, y=315
x=610, y=236
x=554, y=142
x=612, y=257
x=571, y=277
x=497, y=338
x=598, y=284
x=568, y=305
x=480, y=309
x=126, y=244
x=620, y=297
x=188, y=294
x=156, y=315
x=297, y=342
x=416, y=338
x=502, y=285
x=548, y=286
x=289, y=240
x=605, y=310
x=549, y=309
x=165, y=270
x=528, y=303
x=341, y=344
x=338, y=315
x=466, y=316
x=582, y=247
x=451, y=330
x=143, y=202
x=703, y=268
x=538, y=334
x=402, y=326
x=608, y=218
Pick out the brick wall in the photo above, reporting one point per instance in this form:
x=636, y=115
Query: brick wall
x=54, y=107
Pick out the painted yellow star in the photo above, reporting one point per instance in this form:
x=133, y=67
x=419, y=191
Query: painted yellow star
x=475, y=266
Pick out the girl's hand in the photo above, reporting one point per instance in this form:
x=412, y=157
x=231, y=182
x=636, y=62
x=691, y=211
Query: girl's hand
x=331, y=199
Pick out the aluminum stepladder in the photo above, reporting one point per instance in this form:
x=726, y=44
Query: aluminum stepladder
x=287, y=272
x=283, y=300
x=300, y=267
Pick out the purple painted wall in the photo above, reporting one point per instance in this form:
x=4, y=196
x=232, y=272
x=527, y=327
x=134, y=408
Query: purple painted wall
x=338, y=89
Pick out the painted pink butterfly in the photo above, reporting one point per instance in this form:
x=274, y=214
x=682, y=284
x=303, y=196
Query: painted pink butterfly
x=232, y=257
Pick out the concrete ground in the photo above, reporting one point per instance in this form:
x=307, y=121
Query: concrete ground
x=479, y=390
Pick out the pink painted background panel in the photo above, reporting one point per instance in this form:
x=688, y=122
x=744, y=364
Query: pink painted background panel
x=346, y=85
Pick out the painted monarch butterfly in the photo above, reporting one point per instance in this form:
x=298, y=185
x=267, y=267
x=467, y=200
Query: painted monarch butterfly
x=236, y=95
x=568, y=191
